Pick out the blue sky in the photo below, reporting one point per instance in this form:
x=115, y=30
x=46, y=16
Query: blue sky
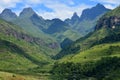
x=49, y=9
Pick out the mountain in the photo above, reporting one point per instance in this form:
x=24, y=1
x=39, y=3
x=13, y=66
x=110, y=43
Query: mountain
x=98, y=54
x=8, y=15
x=60, y=30
x=49, y=30
x=27, y=21
x=21, y=51
x=56, y=26
x=27, y=12
x=94, y=12
x=87, y=21
x=74, y=19
x=106, y=27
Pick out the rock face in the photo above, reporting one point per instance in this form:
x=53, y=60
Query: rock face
x=110, y=22
x=22, y=36
x=8, y=15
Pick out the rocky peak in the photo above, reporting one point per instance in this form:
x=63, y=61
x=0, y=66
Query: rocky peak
x=8, y=15
x=75, y=16
x=27, y=12
x=74, y=19
x=92, y=13
x=99, y=6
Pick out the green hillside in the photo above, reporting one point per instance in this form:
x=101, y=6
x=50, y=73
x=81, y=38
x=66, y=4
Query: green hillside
x=95, y=56
x=20, y=52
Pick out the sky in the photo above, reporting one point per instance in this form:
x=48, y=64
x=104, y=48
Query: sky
x=50, y=9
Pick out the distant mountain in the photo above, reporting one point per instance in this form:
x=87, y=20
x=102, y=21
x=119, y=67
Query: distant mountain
x=31, y=23
x=27, y=12
x=87, y=21
x=36, y=26
x=74, y=19
x=94, y=12
x=8, y=15
x=56, y=26
x=73, y=28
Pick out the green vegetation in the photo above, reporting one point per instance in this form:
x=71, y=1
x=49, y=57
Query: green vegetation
x=98, y=56
x=25, y=54
x=20, y=54
x=102, y=69
x=115, y=12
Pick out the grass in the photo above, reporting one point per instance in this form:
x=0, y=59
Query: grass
x=13, y=76
x=94, y=53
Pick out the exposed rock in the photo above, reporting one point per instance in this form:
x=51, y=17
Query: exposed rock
x=110, y=22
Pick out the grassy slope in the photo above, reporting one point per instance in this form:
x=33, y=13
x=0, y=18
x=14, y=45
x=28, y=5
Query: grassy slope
x=18, y=54
x=94, y=53
x=33, y=30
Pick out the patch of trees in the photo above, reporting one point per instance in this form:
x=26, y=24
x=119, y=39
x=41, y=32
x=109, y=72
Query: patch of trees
x=91, y=70
x=108, y=39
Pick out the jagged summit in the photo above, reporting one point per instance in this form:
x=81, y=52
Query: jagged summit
x=75, y=16
x=27, y=12
x=100, y=5
x=8, y=15
x=92, y=13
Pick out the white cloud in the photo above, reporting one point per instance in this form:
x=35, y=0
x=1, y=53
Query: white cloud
x=8, y=4
x=62, y=11
x=61, y=8
x=109, y=6
x=109, y=3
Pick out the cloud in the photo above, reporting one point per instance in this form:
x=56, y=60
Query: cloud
x=8, y=4
x=109, y=3
x=62, y=11
x=58, y=8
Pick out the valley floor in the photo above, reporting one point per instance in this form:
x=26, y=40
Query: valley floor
x=12, y=76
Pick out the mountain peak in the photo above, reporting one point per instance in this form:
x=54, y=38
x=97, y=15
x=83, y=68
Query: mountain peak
x=100, y=6
x=92, y=13
x=75, y=16
x=27, y=12
x=6, y=10
x=8, y=15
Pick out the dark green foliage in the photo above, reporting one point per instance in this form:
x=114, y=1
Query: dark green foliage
x=67, y=42
x=108, y=39
x=99, y=69
x=67, y=50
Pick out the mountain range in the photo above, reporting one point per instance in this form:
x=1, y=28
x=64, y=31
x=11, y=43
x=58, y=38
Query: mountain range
x=72, y=28
x=81, y=47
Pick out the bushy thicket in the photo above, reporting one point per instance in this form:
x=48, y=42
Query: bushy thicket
x=96, y=70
